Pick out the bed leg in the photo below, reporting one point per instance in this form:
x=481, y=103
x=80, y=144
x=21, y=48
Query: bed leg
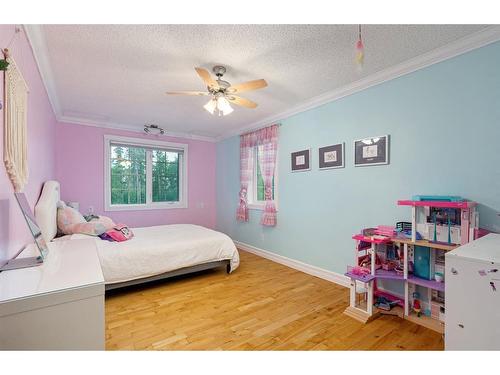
x=228, y=268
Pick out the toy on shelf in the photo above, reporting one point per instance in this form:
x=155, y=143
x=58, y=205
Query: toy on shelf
x=403, y=230
x=417, y=307
x=368, y=232
x=366, y=262
x=385, y=230
x=443, y=225
x=437, y=198
x=399, y=270
x=449, y=219
x=360, y=271
x=443, y=222
x=402, y=226
x=411, y=253
x=385, y=304
x=437, y=305
x=389, y=265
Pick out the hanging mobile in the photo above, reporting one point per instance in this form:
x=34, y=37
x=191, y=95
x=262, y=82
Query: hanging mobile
x=360, y=53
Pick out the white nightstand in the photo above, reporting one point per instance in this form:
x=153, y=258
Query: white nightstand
x=56, y=306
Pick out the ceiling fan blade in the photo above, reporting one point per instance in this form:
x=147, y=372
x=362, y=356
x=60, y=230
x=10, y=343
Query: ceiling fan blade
x=187, y=93
x=241, y=101
x=207, y=78
x=248, y=86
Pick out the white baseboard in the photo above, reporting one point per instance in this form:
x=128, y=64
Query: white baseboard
x=331, y=276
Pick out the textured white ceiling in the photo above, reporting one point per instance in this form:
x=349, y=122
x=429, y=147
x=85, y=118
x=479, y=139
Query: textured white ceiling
x=119, y=73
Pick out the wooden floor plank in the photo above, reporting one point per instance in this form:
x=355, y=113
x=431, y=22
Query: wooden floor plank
x=261, y=306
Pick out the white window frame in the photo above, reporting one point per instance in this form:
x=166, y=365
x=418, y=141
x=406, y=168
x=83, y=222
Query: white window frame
x=149, y=205
x=253, y=203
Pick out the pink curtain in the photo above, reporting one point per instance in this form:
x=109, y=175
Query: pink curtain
x=268, y=139
x=246, y=168
x=267, y=161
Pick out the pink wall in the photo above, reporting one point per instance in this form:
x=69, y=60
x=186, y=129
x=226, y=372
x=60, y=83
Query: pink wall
x=78, y=164
x=41, y=142
x=80, y=170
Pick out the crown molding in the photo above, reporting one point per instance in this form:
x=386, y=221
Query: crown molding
x=473, y=41
x=38, y=44
x=36, y=39
x=69, y=120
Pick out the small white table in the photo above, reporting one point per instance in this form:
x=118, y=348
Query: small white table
x=472, y=295
x=58, y=305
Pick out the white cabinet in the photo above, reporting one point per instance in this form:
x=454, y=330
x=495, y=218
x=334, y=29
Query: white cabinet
x=56, y=306
x=472, y=295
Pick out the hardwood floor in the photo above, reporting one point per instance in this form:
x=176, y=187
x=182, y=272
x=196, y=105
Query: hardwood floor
x=261, y=306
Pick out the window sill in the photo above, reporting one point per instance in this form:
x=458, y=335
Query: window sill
x=259, y=207
x=142, y=207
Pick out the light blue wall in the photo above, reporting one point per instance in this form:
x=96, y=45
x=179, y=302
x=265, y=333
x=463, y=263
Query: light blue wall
x=444, y=123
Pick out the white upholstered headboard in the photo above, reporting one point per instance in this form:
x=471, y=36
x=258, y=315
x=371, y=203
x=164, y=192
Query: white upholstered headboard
x=46, y=210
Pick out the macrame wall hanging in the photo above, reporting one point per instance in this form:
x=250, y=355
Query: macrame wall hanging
x=15, y=137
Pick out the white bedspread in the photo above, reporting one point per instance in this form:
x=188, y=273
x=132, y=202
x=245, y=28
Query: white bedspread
x=159, y=249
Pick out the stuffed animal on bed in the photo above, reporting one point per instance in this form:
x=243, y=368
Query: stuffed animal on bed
x=70, y=221
x=119, y=233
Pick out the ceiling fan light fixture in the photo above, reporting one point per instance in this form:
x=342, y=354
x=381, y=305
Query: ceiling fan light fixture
x=211, y=106
x=218, y=105
x=221, y=92
x=153, y=129
x=223, y=106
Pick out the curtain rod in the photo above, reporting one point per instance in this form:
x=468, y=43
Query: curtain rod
x=262, y=127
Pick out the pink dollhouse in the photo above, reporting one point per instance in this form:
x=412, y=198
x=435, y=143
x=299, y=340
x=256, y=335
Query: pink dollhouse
x=414, y=257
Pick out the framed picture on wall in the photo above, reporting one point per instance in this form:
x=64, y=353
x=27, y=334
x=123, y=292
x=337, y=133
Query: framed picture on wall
x=331, y=157
x=371, y=151
x=301, y=160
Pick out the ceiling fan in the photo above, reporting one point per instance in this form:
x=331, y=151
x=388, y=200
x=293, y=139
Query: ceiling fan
x=222, y=93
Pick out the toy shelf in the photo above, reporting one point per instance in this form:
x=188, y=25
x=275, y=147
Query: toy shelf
x=363, y=278
x=405, y=249
x=372, y=239
x=438, y=204
x=426, y=283
x=395, y=311
x=426, y=243
x=426, y=321
x=388, y=275
x=389, y=297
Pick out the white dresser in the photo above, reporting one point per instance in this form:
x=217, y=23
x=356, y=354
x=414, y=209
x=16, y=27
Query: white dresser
x=473, y=295
x=56, y=306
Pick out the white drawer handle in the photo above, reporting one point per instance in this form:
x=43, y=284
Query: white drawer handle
x=454, y=271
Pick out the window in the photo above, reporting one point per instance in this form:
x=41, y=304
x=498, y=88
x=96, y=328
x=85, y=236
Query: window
x=143, y=174
x=256, y=196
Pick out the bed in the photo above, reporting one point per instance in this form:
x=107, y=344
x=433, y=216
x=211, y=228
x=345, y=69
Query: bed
x=154, y=253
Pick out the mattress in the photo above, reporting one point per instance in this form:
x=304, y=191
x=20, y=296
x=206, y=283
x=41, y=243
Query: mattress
x=163, y=248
